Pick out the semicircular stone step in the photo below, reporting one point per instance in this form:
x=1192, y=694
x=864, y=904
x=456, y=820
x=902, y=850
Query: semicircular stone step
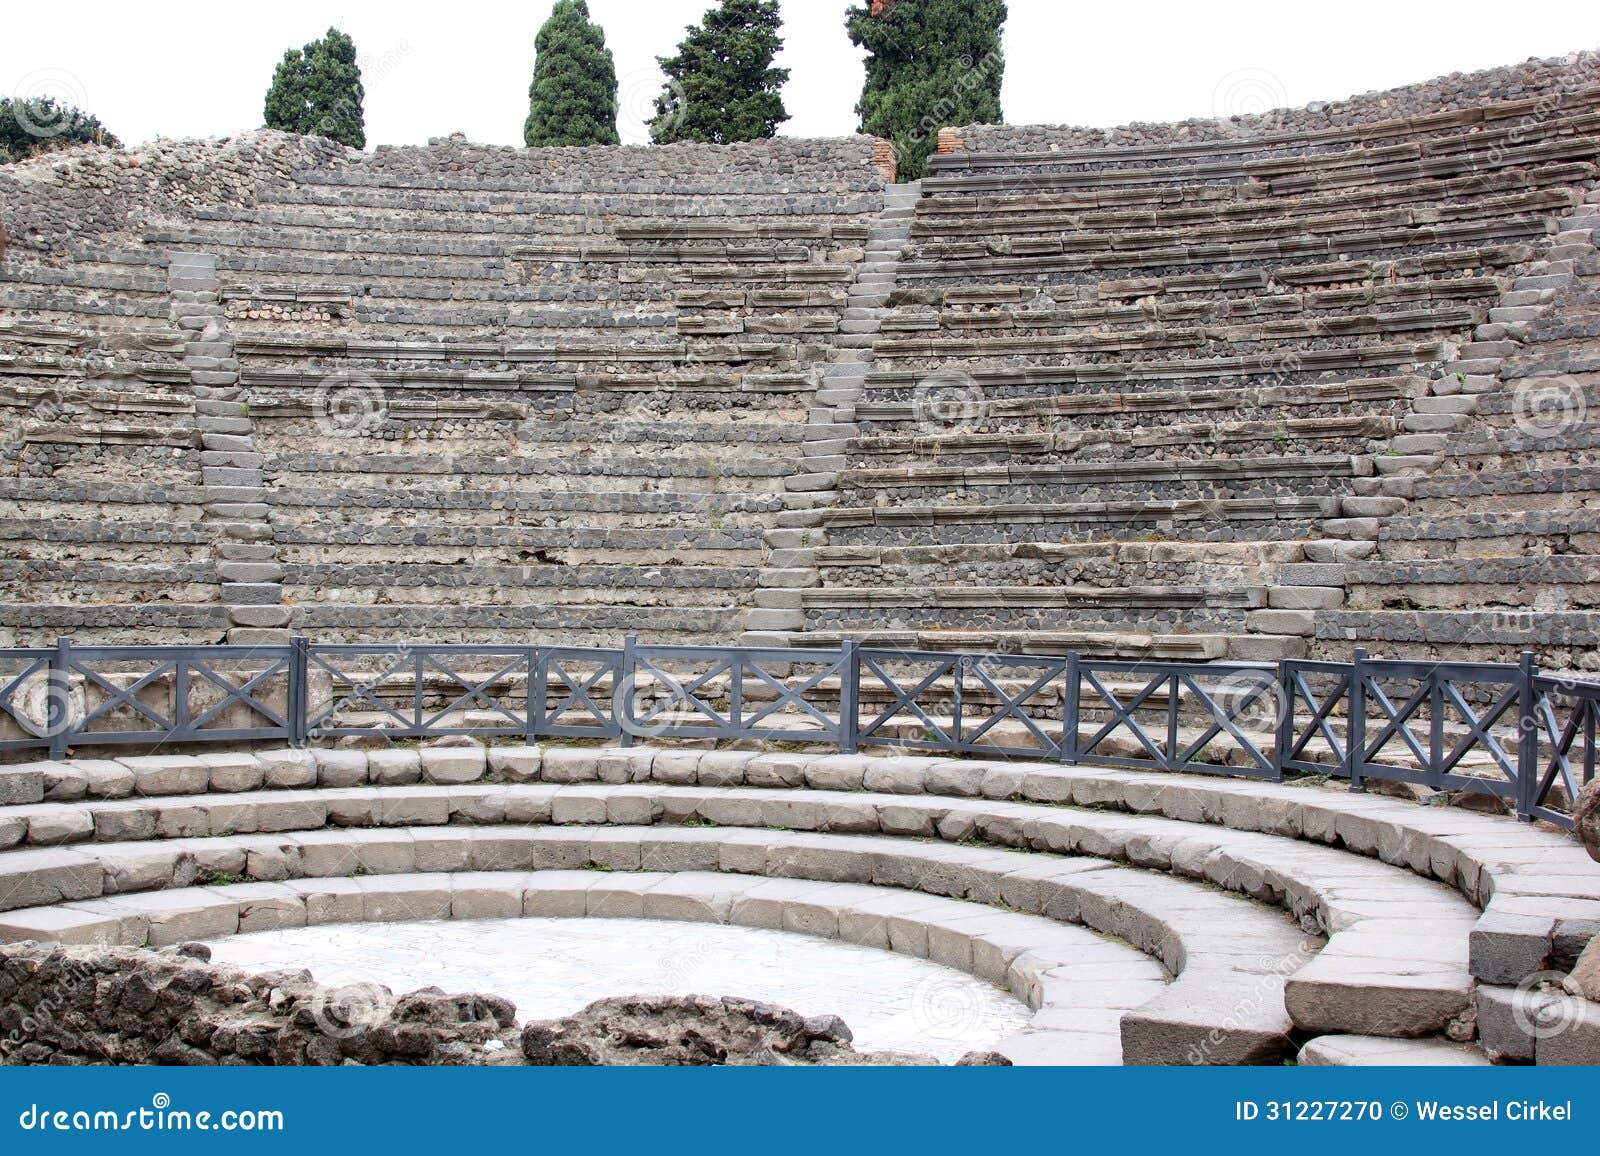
x=1229, y=955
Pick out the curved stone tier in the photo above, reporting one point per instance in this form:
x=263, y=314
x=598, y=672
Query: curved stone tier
x=1282, y=913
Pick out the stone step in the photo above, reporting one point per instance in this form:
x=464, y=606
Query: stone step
x=1228, y=934
x=1358, y=1051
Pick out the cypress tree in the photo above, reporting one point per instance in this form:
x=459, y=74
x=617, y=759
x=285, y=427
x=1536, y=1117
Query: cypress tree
x=573, y=97
x=316, y=90
x=721, y=86
x=931, y=63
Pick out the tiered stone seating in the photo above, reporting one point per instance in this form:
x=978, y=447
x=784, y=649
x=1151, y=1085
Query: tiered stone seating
x=466, y=393
x=576, y=389
x=1151, y=400
x=1246, y=920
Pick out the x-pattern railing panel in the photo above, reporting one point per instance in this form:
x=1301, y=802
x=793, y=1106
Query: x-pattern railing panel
x=673, y=691
x=354, y=689
x=1426, y=711
x=569, y=685
x=982, y=677
x=154, y=694
x=929, y=668
x=1327, y=721
x=1196, y=706
x=26, y=671
x=1243, y=695
x=1568, y=716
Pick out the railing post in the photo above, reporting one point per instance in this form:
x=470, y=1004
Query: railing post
x=533, y=715
x=58, y=698
x=1283, y=741
x=1355, y=738
x=299, y=690
x=1527, y=737
x=1069, y=712
x=624, y=687
x=849, y=696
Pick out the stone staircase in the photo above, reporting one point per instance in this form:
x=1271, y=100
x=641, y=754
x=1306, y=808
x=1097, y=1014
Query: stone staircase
x=248, y=576
x=791, y=572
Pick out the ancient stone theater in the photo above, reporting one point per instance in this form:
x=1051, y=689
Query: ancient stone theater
x=1142, y=584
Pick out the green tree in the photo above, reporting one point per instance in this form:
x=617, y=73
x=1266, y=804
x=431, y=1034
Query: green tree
x=930, y=63
x=721, y=86
x=316, y=90
x=41, y=125
x=573, y=98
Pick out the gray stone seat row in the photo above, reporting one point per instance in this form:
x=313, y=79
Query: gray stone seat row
x=1078, y=984
x=1115, y=208
x=1042, y=316
x=1164, y=645
x=1287, y=517
x=1012, y=239
x=1352, y=167
x=1559, y=639
x=1156, y=337
x=1218, y=255
x=1470, y=119
x=1074, y=390
x=1035, y=455
x=529, y=209
x=1229, y=956
x=1150, y=207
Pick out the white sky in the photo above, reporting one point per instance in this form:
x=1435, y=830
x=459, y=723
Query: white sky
x=201, y=69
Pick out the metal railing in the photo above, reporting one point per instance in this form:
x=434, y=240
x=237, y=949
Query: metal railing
x=1503, y=730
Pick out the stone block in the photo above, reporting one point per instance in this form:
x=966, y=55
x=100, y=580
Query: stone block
x=54, y=825
x=234, y=773
x=21, y=784
x=1506, y=948
x=168, y=775
x=453, y=765
x=288, y=769
x=1305, y=598
x=571, y=765
x=1505, y=1022
x=516, y=764
x=405, y=899
x=336, y=768
x=474, y=896
x=394, y=768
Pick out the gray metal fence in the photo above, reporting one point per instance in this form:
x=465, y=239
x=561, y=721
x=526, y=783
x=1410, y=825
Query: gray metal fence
x=1495, y=729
